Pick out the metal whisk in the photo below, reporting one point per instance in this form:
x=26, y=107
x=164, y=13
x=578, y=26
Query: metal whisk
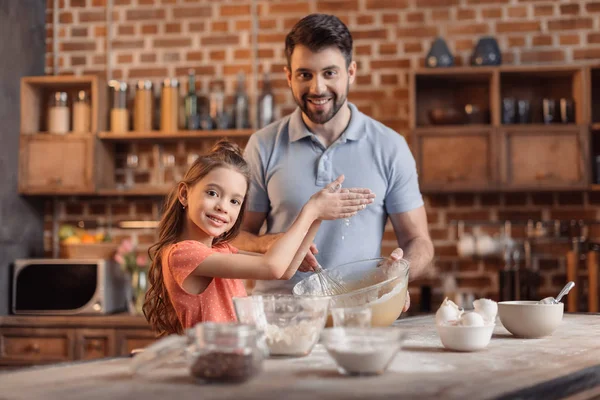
x=329, y=286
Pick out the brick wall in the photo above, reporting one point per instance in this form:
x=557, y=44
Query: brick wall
x=152, y=39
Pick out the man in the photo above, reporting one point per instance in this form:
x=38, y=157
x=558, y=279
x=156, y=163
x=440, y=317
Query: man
x=327, y=136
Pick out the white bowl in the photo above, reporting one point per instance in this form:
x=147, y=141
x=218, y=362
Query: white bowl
x=465, y=338
x=362, y=351
x=530, y=319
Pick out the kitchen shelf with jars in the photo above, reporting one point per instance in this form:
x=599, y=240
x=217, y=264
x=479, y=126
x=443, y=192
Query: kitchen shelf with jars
x=82, y=135
x=502, y=128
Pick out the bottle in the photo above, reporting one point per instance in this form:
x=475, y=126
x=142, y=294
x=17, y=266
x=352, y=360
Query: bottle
x=119, y=114
x=81, y=113
x=169, y=105
x=143, y=107
x=192, y=116
x=265, y=103
x=241, y=104
x=58, y=113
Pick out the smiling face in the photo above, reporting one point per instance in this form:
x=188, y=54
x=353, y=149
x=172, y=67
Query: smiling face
x=319, y=81
x=214, y=203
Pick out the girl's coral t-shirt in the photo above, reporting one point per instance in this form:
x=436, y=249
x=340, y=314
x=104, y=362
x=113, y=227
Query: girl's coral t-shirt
x=215, y=303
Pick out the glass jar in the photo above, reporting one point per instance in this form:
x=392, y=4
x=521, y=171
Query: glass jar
x=81, y=112
x=143, y=107
x=225, y=352
x=169, y=106
x=119, y=115
x=58, y=113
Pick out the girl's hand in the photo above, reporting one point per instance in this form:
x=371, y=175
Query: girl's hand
x=332, y=202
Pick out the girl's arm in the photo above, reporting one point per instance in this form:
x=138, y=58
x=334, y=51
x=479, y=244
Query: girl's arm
x=286, y=254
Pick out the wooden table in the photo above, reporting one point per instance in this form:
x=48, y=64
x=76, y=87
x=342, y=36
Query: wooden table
x=565, y=365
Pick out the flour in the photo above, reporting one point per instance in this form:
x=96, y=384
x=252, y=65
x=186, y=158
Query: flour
x=363, y=360
x=293, y=340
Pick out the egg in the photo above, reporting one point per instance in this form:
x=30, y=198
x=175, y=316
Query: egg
x=487, y=309
x=471, y=319
x=447, y=313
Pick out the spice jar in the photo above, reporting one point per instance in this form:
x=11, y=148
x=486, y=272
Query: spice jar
x=169, y=105
x=225, y=352
x=58, y=113
x=81, y=112
x=143, y=106
x=119, y=115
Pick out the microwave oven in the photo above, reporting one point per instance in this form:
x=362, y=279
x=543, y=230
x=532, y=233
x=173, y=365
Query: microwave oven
x=68, y=287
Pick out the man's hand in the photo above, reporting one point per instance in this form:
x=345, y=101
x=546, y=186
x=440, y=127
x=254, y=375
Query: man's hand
x=390, y=264
x=310, y=262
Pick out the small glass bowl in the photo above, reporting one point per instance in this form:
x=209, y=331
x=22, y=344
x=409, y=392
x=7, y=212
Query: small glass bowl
x=363, y=351
x=291, y=325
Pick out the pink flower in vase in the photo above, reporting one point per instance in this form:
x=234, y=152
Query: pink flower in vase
x=141, y=261
x=119, y=258
x=125, y=247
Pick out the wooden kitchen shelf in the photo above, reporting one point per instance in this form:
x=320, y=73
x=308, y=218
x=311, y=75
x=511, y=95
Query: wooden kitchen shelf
x=146, y=191
x=179, y=135
x=495, y=156
x=37, y=90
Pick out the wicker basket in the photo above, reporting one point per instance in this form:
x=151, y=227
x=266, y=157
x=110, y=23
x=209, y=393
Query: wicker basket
x=104, y=251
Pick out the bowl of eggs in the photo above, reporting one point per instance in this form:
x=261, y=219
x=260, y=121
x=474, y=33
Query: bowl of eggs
x=466, y=331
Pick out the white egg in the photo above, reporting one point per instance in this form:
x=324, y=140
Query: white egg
x=447, y=313
x=487, y=308
x=471, y=319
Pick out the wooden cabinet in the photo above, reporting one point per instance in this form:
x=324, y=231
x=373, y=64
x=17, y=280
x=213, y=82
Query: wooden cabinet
x=43, y=340
x=21, y=346
x=548, y=158
x=536, y=136
x=95, y=343
x=51, y=164
x=457, y=159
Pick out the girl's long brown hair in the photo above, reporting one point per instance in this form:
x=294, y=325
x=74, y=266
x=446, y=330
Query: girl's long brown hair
x=158, y=308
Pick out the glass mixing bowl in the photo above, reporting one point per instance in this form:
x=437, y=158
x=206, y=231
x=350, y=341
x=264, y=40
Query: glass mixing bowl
x=291, y=325
x=371, y=282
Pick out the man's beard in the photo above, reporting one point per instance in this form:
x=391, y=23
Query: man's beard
x=323, y=116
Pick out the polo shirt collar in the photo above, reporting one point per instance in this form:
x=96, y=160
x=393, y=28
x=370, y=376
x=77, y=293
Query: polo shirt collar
x=354, y=131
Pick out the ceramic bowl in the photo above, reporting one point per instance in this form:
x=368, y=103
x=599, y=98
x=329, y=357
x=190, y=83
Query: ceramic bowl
x=363, y=351
x=530, y=319
x=383, y=289
x=465, y=338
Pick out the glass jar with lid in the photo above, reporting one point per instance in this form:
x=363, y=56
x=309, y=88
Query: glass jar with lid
x=58, y=113
x=119, y=115
x=169, y=105
x=143, y=112
x=81, y=112
x=225, y=352
x=214, y=352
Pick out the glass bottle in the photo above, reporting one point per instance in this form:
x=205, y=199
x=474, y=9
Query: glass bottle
x=192, y=116
x=119, y=114
x=81, y=112
x=241, y=104
x=143, y=106
x=265, y=103
x=58, y=113
x=169, y=105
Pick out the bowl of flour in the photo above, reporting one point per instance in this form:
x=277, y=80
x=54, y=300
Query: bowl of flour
x=291, y=325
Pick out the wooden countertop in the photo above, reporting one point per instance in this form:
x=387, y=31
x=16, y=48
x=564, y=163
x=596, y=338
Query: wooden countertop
x=565, y=364
x=123, y=320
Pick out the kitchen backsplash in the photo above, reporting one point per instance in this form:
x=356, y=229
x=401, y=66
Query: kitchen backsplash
x=477, y=275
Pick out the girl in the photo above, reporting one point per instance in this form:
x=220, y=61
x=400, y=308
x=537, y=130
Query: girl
x=195, y=272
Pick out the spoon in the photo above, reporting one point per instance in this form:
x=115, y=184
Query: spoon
x=564, y=291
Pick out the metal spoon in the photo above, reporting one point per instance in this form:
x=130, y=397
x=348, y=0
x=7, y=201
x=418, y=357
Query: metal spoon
x=564, y=291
